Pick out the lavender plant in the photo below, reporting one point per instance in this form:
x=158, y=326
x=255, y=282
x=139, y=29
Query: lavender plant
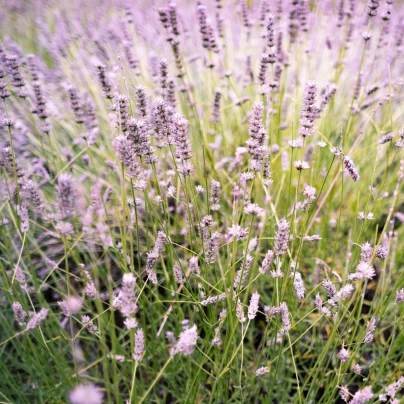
x=201, y=201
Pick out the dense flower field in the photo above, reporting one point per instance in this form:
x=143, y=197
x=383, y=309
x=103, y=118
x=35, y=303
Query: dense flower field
x=201, y=201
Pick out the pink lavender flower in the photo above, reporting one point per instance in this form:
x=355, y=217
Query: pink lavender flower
x=357, y=369
x=33, y=190
x=177, y=273
x=70, y=306
x=141, y=101
x=242, y=274
x=253, y=209
x=64, y=228
x=363, y=271
x=40, y=102
x=344, y=393
x=237, y=232
x=372, y=7
x=212, y=247
x=343, y=355
x=193, y=265
x=36, y=319
x=86, y=394
x=19, y=313
x=215, y=195
x=314, y=237
x=371, y=327
x=394, y=387
x=301, y=165
x=23, y=214
x=88, y=324
x=253, y=307
x=139, y=345
x=383, y=249
x=267, y=261
x=362, y=396
x=139, y=137
x=399, y=296
x=215, y=115
x=90, y=289
x=66, y=195
x=261, y=371
x=75, y=104
x=206, y=30
x=282, y=237
x=240, y=312
x=182, y=144
x=163, y=124
x=19, y=274
x=309, y=109
x=213, y=299
x=186, y=341
x=366, y=252
x=105, y=82
x=298, y=285
x=126, y=300
x=350, y=167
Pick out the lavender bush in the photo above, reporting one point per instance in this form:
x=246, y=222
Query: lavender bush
x=201, y=201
